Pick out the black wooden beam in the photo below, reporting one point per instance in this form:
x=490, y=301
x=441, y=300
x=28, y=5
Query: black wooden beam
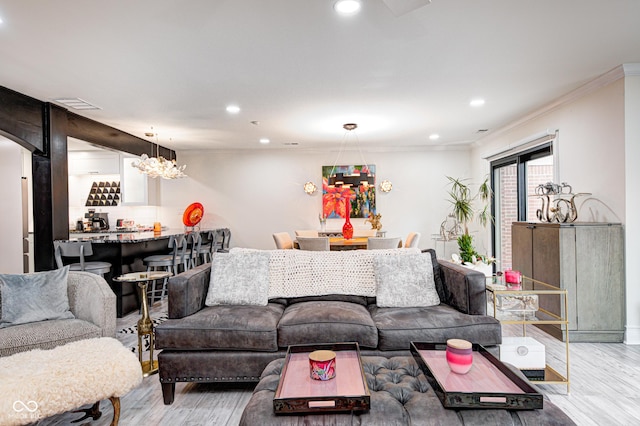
x=21, y=119
x=50, y=188
x=85, y=129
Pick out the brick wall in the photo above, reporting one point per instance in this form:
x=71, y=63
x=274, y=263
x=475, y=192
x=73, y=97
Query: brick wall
x=508, y=203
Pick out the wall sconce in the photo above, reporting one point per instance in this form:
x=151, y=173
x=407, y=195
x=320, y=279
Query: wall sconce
x=385, y=186
x=309, y=188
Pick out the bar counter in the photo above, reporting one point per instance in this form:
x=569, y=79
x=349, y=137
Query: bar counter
x=125, y=251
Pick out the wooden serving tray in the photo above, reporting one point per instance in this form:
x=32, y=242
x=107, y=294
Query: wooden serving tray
x=489, y=383
x=298, y=393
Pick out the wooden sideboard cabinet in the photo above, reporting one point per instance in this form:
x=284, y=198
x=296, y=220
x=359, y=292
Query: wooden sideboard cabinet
x=587, y=259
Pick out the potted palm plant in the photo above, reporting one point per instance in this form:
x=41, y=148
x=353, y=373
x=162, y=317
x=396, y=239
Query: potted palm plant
x=464, y=210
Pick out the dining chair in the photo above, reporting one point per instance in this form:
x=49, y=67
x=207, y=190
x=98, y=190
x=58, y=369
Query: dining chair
x=79, y=249
x=363, y=233
x=283, y=240
x=412, y=240
x=377, y=243
x=313, y=243
x=306, y=233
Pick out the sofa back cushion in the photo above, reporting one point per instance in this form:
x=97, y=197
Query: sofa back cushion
x=405, y=281
x=241, y=278
x=299, y=273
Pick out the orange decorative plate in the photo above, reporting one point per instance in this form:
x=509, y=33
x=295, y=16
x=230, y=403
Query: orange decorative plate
x=193, y=214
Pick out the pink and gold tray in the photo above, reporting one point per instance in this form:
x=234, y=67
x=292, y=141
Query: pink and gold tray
x=489, y=383
x=298, y=393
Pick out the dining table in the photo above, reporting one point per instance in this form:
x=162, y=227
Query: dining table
x=340, y=243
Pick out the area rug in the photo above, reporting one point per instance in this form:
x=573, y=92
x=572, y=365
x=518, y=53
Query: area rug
x=133, y=329
x=132, y=342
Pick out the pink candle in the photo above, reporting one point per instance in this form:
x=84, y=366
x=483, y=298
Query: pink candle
x=459, y=355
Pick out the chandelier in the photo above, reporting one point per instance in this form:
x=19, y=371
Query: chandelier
x=364, y=177
x=159, y=166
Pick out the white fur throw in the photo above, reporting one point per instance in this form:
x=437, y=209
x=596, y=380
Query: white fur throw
x=40, y=383
x=299, y=273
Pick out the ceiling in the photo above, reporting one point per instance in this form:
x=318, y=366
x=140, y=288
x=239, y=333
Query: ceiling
x=300, y=71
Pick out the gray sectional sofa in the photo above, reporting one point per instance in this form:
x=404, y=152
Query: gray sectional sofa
x=235, y=342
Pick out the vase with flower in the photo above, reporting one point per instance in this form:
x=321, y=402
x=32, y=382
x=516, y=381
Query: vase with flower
x=347, y=228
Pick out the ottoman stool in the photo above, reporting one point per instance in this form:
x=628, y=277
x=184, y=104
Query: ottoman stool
x=400, y=395
x=40, y=383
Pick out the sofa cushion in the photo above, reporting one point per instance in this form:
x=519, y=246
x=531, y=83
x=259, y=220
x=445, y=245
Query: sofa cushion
x=223, y=327
x=326, y=322
x=405, y=281
x=241, y=278
x=435, y=324
x=28, y=298
x=45, y=335
x=299, y=273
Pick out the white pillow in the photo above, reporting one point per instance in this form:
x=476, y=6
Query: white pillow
x=405, y=281
x=239, y=278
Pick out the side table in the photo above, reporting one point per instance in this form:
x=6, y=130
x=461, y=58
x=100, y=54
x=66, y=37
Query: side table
x=511, y=306
x=145, y=325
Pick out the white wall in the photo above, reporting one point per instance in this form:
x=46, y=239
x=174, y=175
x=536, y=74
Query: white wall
x=590, y=156
x=632, y=248
x=10, y=207
x=258, y=193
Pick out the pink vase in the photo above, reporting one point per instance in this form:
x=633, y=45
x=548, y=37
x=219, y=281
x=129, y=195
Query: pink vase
x=459, y=355
x=347, y=228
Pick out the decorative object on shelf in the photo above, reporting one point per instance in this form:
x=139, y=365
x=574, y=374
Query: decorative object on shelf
x=193, y=215
x=347, y=228
x=386, y=186
x=459, y=355
x=323, y=222
x=375, y=221
x=159, y=166
x=309, y=188
x=555, y=206
x=450, y=228
x=322, y=365
x=104, y=194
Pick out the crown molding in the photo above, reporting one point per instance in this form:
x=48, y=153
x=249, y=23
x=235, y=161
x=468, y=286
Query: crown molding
x=631, y=69
x=597, y=83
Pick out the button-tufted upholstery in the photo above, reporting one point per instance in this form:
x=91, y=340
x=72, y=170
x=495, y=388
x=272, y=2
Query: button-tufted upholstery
x=400, y=395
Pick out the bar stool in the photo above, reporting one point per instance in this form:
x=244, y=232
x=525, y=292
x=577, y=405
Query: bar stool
x=226, y=238
x=193, y=247
x=213, y=242
x=79, y=249
x=170, y=262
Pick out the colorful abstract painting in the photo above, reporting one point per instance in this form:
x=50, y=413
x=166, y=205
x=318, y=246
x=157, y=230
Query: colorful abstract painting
x=362, y=198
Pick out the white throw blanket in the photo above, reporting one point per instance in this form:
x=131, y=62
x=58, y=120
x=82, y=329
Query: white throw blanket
x=299, y=273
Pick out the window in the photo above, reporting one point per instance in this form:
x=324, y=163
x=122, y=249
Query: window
x=514, y=179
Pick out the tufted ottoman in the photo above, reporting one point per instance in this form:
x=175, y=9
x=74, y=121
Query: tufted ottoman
x=40, y=383
x=400, y=395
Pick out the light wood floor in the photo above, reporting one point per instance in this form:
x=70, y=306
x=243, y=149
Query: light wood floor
x=605, y=389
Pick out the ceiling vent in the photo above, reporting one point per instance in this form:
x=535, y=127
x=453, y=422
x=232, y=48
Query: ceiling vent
x=482, y=130
x=76, y=103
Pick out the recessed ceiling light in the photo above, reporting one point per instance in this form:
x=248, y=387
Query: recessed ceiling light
x=264, y=141
x=434, y=136
x=233, y=109
x=476, y=102
x=347, y=7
